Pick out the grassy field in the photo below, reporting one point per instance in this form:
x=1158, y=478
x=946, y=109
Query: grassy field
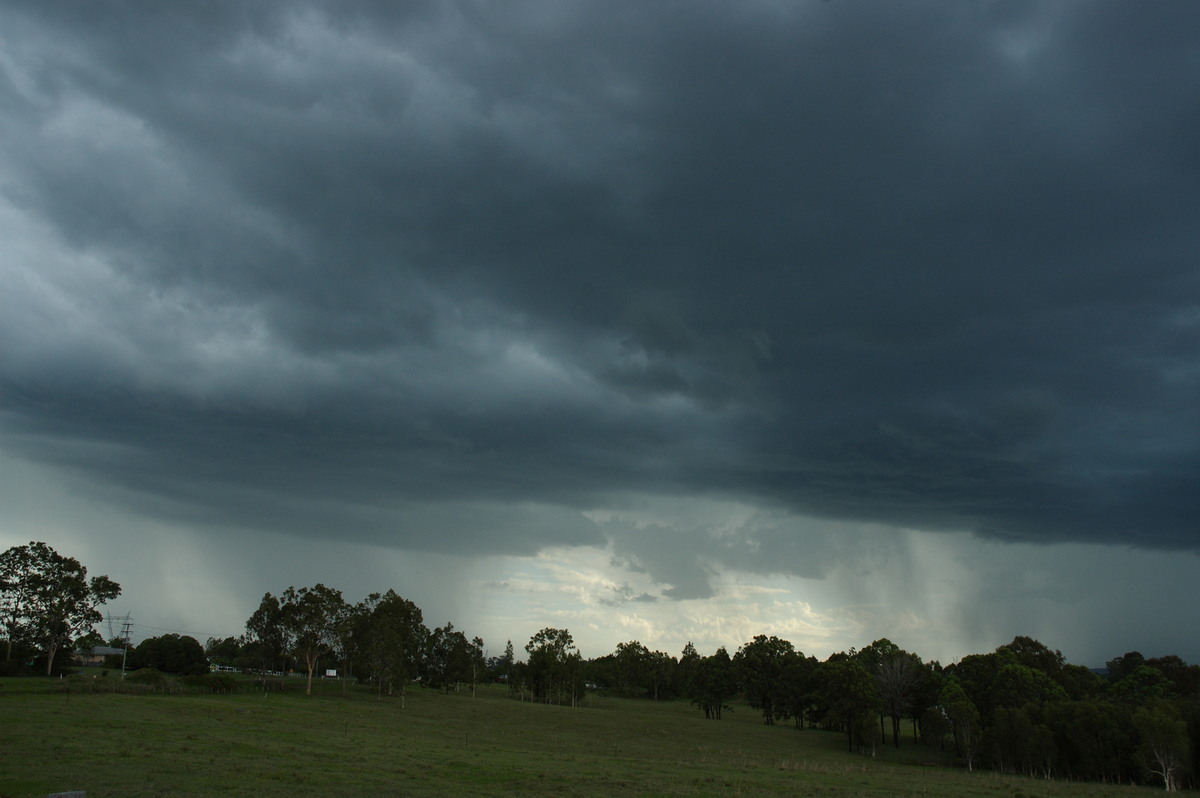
x=344, y=742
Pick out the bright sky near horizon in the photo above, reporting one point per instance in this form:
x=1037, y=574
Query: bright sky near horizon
x=668, y=322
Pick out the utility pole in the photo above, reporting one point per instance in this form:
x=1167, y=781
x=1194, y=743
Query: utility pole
x=126, y=625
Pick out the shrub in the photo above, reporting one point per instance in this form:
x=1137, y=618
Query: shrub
x=170, y=653
x=212, y=682
x=150, y=677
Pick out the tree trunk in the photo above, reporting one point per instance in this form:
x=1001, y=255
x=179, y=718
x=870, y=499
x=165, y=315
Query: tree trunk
x=311, y=662
x=51, y=650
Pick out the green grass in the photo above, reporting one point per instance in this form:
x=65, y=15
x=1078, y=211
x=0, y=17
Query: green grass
x=344, y=742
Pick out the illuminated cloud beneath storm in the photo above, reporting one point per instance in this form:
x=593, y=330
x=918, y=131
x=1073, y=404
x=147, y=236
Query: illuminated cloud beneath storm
x=493, y=282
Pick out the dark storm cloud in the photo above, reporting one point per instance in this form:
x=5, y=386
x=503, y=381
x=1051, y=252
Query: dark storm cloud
x=426, y=276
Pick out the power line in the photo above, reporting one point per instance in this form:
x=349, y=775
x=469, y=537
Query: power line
x=197, y=635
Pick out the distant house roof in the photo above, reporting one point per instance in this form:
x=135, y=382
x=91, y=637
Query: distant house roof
x=101, y=651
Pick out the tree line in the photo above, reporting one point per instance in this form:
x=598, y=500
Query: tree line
x=1021, y=708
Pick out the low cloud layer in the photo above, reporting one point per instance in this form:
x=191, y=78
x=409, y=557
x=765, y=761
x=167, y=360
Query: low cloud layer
x=471, y=279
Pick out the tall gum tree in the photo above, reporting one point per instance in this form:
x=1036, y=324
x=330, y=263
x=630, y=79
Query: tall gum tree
x=762, y=666
x=1163, y=741
x=49, y=599
x=310, y=618
x=265, y=635
x=390, y=635
x=553, y=666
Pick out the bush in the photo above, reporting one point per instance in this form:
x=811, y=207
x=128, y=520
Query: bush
x=170, y=653
x=212, y=682
x=150, y=677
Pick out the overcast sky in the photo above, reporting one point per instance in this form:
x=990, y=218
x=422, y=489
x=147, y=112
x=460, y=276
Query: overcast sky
x=656, y=321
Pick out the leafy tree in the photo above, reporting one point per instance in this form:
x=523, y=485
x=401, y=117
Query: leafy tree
x=631, y=663
x=1122, y=666
x=14, y=563
x=1033, y=654
x=451, y=659
x=1020, y=744
x=519, y=681
x=266, y=636
x=870, y=657
x=935, y=725
x=685, y=670
x=48, y=599
x=1016, y=685
x=1042, y=751
x=1162, y=741
x=1184, y=678
x=500, y=668
x=390, y=636
x=800, y=684
x=660, y=671
x=602, y=672
x=762, y=666
x=1190, y=711
x=309, y=619
x=1141, y=685
x=964, y=720
x=475, y=654
x=223, y=650
x=170, y=653
x=850, y=698
x=633, y=668
x=977, y=676
x=1081, y=683
x=554, y=667
x=713, y=684
x=925, y=695
x=897, y=674
x=1092, y=739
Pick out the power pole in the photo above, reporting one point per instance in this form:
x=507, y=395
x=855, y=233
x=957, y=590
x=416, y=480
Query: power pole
x=126, y=625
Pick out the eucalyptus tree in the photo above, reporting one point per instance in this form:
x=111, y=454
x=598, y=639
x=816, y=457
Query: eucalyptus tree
x=170, y=653
x=801, y=684
x=310, y=619
x=554, y=666
x=685, y=670
x=48, y=599
x=631, y=665
x=964, y=719
x=452, y=659
x=660, y=672
x=713, y=682
x=848, y=693
x=266, y=638
x=1035, y=654
x=499, y=668
x=477, y=661
x=389, y=636
x=898, y=674
x=1163, y=744
x=763, y=668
